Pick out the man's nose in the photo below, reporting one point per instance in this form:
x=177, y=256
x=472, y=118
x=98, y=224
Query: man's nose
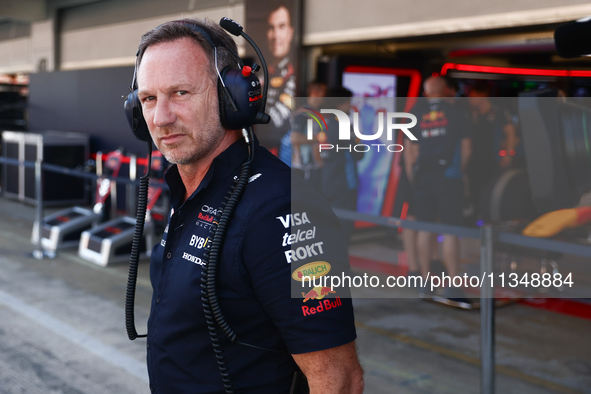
x=164, y=114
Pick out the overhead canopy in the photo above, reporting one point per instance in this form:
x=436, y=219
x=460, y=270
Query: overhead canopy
x=339, y=21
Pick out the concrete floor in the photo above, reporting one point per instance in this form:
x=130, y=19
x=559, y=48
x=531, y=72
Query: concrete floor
x=62, y=331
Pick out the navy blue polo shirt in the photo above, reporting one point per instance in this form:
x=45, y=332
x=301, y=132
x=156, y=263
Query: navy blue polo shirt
x=441, y=127
x=266, y=243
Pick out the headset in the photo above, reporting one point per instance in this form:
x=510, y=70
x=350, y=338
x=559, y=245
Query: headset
x=242, y=100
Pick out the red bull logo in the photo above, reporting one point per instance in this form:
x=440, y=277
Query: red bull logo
x=434, y=115
x=207, y=218
x=322, y=306
x=317, y=293
x=433, y=119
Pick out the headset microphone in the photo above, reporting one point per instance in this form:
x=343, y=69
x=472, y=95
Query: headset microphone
x=231, y=26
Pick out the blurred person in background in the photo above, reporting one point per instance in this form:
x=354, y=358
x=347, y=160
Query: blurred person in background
x=494, y=146
x=452, y=89
x=438, y=159
x=405, y=188
x=305, y=156
x=409, y=236
x=338, y=174
x=282, y=77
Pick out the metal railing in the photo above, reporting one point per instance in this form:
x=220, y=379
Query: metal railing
x=39, y=167
x=487, y=234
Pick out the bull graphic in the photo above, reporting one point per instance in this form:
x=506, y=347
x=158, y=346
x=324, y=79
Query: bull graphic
x=317, y=293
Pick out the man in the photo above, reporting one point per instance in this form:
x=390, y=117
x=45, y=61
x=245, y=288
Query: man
x=279, y=32
x=282, y=78
x=338, y=174
x=405, y=189
x=177, y=88
x=438, y=158
x=305, y=156
x=409, y=236
x=495, y=147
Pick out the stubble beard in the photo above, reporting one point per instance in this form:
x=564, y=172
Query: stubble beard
x=193, y=150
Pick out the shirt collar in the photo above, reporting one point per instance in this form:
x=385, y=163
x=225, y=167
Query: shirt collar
x=223, y=165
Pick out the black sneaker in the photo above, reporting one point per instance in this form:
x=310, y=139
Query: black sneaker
x=455, y=294
x=437, y=268
x=425, y=291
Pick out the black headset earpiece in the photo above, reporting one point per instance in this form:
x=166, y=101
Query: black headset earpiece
x=241, y=103
x=241, y=99
x=133, y=112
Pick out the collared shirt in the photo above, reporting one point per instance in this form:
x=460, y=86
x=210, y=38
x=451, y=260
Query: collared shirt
x=259, y=261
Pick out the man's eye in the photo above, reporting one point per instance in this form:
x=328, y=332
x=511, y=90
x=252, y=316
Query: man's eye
x=147, y=98
x=181, y=92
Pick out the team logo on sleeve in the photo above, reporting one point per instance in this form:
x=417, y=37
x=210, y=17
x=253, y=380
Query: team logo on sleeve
x=317, y=293
x=304, y=252
x=300, y=235
x=295, y=219
x=311, y=270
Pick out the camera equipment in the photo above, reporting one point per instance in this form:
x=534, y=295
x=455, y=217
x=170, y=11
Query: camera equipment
x=572, y=39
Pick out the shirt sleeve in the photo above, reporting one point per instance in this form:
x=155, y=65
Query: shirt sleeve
x=293, y=237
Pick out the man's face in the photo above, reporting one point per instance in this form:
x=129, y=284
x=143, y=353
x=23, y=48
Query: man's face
x=477, y=99
x=279, y=32
x=179, y=100
x=450, y=92
x=316, y=96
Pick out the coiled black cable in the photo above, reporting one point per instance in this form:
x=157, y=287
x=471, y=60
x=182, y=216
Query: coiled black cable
x=211, y=307
x=135, y=250
x=209, y=299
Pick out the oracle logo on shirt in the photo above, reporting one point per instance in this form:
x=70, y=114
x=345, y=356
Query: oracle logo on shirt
x=207, y=215
x=206, y=209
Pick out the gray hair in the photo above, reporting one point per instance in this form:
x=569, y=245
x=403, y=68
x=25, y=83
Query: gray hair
x=190, y=27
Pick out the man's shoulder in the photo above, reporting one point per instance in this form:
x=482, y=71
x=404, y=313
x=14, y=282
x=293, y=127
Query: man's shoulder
x=269, y=178
x=420, y=106
x=278, y=173
x=272, y=183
